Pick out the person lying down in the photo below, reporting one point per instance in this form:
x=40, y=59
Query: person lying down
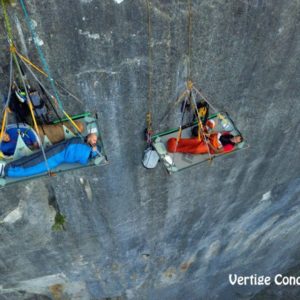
x=216, y=143
x=70, y=151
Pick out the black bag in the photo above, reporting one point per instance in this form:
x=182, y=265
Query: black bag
x=203, y=112
x=18, y=104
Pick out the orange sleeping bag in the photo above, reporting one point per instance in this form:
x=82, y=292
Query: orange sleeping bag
x=193, y=145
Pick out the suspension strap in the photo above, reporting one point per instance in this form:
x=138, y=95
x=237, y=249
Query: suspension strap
x=194, y=106
x=3, y=126
x=201, y=129
x=182, y=117
x=181, y=122
x=29, y=103
x=44, y=63
x=44, y=90
x=189, y=38
x=6, y=106
x=206, y=100
x=13, y=55
x=170, y=108
x=150, y=74
x=72, y=122
x=149, y=127
x=7, y=22
x=26, y=60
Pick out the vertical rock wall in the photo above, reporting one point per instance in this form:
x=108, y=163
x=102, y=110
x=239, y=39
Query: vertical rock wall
x=138, y=234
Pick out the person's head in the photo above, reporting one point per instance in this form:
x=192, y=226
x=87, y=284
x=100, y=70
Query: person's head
x=226, y=139
x=6, y=137
x=237, y=139
x=91, y=139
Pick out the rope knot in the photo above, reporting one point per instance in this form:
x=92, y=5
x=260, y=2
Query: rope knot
x=12, y=48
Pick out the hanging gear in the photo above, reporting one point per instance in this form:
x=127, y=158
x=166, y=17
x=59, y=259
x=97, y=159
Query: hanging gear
x=20, y=107
x=151, y=158
x=203, y=112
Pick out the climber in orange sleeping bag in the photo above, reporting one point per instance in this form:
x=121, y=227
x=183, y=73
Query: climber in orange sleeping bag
x=216, y=143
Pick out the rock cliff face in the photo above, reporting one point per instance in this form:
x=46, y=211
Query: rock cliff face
x=137, y=234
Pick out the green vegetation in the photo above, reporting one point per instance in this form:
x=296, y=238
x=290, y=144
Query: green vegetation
x=9, y=1
x=59, y=222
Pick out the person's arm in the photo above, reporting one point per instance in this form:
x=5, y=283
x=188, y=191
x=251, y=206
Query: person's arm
x=95, y=151
x=216, y=150
x=228, y=148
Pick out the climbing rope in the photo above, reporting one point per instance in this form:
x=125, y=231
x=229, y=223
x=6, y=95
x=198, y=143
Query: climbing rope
x=201, y=132
x=189, y=38
x=5, y=109
x=171, y=107
x=34, y=119
x=8, y=28
x=181, y=122
x=150, y=74
x=44, y=89
x=189, y=82
x=7, y=22
x=13, y=55
x=44, y=63
x=205, y=99
x=26, y=60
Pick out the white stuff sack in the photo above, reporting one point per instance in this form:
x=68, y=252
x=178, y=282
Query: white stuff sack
x=150, y=158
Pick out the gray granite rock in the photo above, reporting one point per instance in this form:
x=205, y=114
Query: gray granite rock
x=137, y=234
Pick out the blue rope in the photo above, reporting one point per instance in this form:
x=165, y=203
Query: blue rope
x=42, y=57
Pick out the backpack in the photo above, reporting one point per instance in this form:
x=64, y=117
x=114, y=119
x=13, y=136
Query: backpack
x=39, y=105
x=40, y=108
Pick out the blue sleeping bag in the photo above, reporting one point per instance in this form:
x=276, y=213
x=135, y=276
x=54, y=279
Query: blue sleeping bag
x=28, y=135
x=73, y=150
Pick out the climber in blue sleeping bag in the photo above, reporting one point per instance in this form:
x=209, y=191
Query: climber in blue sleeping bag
x=73, y=150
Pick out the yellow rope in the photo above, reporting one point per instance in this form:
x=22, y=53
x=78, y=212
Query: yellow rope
x=149, y=102
x=179, y=135
x=149, y=122
x=7, y=22
x=189, y=38
x=201, y=130
x=33, y=116
x=25, y=59
x=71, y=120
x=190, y=85
x=3, y=125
